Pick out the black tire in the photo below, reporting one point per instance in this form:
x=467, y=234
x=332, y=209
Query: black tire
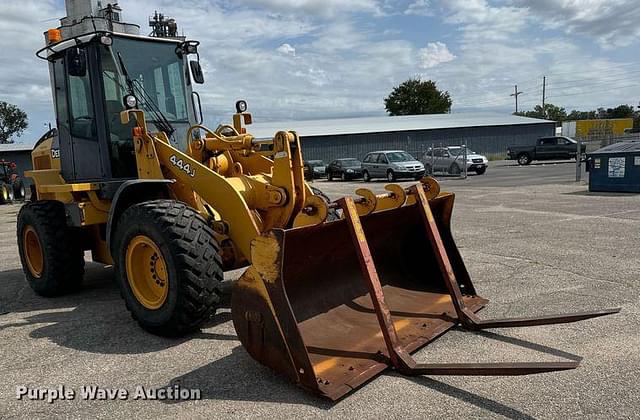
x=454, y=169
x=19, y=192
x=524, y=159
x=391, y=176
x=4, y=193
x=343, y=177
x=333, y=213
x=428, y=170
x=481, y=171
x=192, y=259
x=366, y=177
x=329, y=177
x=63, y=256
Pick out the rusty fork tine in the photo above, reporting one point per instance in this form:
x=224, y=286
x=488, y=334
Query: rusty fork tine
x=477, y=323
x=466, y=317
x=410, y=368
x=400, y=359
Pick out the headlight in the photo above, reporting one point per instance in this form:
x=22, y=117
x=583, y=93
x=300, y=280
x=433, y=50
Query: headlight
x=106, y=40
x=130, y=102
x=349, y=171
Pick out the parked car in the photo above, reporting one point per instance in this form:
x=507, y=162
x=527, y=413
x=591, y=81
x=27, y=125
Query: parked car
x=546, y=148
x=451, y=160
x=315, y=169
x=392, y=165
x=344, y=169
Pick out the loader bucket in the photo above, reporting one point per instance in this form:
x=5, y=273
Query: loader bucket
x=332, y=306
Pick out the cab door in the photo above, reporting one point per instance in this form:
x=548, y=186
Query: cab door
x=80, y=117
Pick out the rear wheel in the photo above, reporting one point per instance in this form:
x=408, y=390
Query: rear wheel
x=19, y=192
x=168, y=266
x=329, y=176
x=51, y=255
x=366, y=177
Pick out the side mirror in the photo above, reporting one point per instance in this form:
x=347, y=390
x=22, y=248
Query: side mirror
x=77, y=62
x=196, y=71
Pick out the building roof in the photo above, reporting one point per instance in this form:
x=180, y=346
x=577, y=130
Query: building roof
x=622, y=147
x=16, y=147
x=385, y=124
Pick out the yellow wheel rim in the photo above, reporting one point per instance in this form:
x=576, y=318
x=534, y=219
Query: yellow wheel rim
x=147, y=272
x=33, y=251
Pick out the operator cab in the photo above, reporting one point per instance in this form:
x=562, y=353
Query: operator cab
x=97, y=75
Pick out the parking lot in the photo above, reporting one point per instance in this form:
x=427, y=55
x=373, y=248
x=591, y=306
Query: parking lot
x=534, y=243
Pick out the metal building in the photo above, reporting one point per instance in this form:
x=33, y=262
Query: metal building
x=486, y=133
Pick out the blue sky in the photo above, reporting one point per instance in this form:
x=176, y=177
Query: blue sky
x=307, y=59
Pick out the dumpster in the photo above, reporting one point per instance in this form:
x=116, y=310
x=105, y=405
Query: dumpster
x=615, y=168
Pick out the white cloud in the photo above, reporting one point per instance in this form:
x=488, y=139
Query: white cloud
x=480, y=20
x=611, y=22
x=286, y=49
x=419, y=8
x=320, y=7
x=434, y=54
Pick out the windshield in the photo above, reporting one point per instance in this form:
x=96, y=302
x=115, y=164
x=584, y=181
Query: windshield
x=459, y=151
x=399, y=157
x=153, y=66
x=315, y=163
x=350, y=163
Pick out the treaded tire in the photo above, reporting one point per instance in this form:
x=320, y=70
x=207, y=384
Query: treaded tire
x=5, y=190
x=19, y=192
x=193, y=265
x=63, y=257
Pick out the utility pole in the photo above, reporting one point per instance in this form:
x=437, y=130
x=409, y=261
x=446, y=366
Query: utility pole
x=516, y=93
x=544, y=96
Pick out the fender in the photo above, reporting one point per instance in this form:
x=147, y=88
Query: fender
x=132, y=192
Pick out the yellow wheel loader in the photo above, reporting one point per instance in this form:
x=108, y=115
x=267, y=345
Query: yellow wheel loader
x=334, y=292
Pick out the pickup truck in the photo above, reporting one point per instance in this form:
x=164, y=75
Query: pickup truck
x=546, y=148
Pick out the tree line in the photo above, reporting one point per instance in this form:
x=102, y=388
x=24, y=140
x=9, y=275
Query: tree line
x=419, y=97
x=559, y=114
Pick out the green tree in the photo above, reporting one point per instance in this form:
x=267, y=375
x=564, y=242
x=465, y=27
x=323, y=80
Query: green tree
x=551, y=112
x=13, y=121
x=418, y=97
x=622, y=111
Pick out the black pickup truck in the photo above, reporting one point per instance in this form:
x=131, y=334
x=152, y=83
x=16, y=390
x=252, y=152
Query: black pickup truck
x=546, y=148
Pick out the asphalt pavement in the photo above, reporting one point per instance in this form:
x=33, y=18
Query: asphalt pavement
x=534, y=242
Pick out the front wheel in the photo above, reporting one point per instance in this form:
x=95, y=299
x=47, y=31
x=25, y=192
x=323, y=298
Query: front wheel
x=343, y=177
x=391, y=176
x=524, y=159
x=454, y=169
x=366, y=177
x=168, y=266
x=481, y=171
x=4, y=193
